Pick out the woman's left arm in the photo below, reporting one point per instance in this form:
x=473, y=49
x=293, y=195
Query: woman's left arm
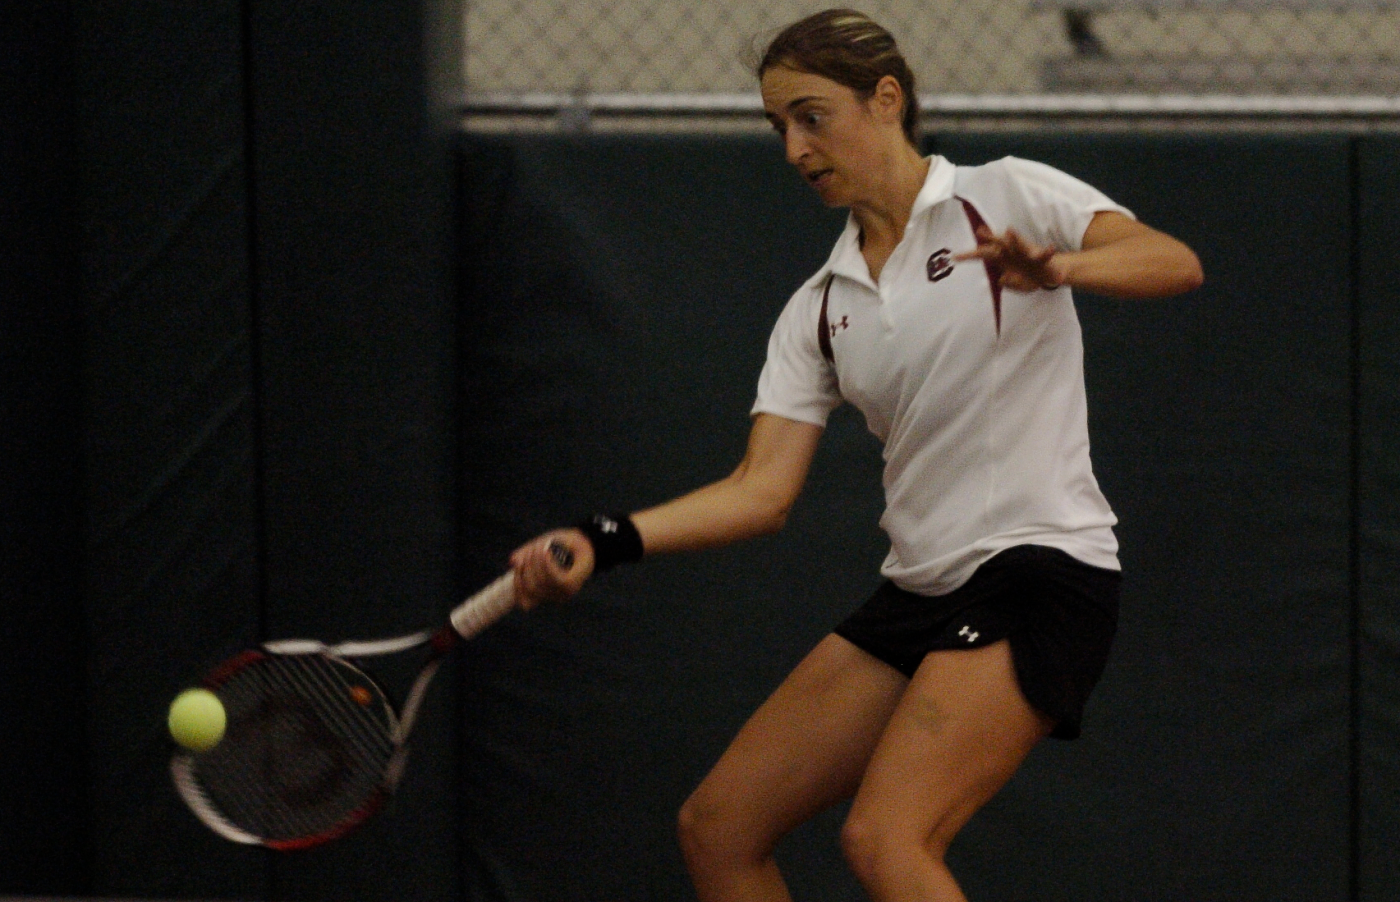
x=1119, y=257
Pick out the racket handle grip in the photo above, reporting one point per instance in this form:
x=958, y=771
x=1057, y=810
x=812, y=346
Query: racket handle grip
x=498, y=599
x=485, y=607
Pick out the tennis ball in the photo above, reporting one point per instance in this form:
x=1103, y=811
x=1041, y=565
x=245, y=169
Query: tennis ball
x=197, y=719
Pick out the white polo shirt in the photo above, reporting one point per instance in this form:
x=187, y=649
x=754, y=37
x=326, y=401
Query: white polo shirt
x=977, y=392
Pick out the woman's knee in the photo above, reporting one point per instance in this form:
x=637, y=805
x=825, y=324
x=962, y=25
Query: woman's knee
x=695, y=824
x=878, y=852
x=712, y=828
x=865, y=844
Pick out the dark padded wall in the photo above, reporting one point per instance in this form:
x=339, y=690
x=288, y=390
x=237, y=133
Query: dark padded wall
x=1218, y=764
x=357, y=330
x=43, y=845
x=268, y=399
x=171, y=551
x=1378, y=167
x=620, y=295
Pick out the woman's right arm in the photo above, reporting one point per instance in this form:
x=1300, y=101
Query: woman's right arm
x=752, y=501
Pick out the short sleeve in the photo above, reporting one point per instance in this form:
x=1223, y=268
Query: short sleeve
x=1050, y=206
x=797, y=382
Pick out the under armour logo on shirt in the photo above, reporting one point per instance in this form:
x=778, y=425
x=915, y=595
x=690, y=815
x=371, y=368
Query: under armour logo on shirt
x=969, y=633
x=843, y=323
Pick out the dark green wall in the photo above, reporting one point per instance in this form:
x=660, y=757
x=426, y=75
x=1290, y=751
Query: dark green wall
x=1378, y=517
x=171, y=561
x=356, y=330
x=623, y=291
x=43, y=836
x=1221, y=425
x=229, y=408
x=617, y=298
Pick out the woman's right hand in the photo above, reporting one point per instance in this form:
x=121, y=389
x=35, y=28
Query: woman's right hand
x=539, y=575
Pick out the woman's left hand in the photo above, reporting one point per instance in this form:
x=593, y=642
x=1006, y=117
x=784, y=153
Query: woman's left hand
x=1024, y=265
x=1119, y=257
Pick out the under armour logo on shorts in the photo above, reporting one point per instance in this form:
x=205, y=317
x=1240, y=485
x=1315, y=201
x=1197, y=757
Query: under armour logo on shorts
x=969, y=633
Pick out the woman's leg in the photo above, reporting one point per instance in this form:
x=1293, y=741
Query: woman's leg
x=959, y=733
x=802, y=751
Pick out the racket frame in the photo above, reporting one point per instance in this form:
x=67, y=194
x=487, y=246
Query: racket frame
x=466, y=621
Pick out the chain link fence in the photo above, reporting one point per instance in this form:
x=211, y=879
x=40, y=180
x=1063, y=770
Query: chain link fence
x=574, y=61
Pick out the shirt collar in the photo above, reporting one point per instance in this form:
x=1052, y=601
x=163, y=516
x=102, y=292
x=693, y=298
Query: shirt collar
x=846, y=260
x=938, y=186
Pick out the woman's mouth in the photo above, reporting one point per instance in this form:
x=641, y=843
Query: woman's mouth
x=816, y=178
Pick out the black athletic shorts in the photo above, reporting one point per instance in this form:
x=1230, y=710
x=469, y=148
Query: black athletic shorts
x=1059, y=613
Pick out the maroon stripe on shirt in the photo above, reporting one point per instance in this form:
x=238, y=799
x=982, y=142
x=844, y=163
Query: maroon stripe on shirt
x=824, y=323
x=993, y=269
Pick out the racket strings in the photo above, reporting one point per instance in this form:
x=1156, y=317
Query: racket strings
x=306, y=750
x=333, y=696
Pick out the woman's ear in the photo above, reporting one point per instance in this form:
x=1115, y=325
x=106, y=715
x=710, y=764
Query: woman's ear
x=888, y=100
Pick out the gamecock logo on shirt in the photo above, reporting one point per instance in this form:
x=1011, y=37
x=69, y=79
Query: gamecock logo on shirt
x=939, y=266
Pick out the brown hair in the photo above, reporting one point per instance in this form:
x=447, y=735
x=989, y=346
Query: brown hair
x=849, y=48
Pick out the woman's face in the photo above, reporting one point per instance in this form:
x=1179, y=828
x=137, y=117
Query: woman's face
x=832, y=136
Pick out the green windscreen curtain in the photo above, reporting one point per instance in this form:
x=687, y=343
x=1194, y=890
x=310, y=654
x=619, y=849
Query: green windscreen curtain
x=43, y=837
x=1221, y=430
x=357, y=331
x=617, y=298
x=269, y=398
x=1378, y=621
x=171, y=559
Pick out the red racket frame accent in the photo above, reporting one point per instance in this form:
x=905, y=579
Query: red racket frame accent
x=355, y=819
x=225, y=671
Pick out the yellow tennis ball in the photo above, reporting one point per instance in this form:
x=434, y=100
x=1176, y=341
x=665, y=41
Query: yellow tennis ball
x=197, y=719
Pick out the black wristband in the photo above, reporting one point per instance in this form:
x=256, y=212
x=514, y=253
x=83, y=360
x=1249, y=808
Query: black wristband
x=614, y=538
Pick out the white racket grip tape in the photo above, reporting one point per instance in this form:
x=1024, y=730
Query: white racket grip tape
x=485, y=607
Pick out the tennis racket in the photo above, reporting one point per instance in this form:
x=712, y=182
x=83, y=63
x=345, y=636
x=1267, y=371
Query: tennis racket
x=313, y=747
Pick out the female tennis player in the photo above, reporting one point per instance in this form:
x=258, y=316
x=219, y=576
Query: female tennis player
x=944, y=313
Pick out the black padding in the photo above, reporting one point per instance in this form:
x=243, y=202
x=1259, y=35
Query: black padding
x=1216, y=756
x=171, y=579
x=1378, y=510
x=618, y=300
x=357, y=338
x=43, y=792
x=618, y=297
